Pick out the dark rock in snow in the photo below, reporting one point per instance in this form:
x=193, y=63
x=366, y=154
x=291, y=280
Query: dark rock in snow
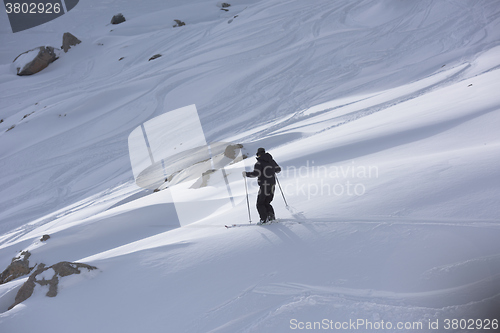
x=232, y=151
x=45, y=56
x=28, y=287
x=18, y=267
x=155, y=57
x=44, y=238
x=61, y=269
x=179, y=23
x=223, y=6
x=231, y=20
x=118, y=18
x=205, y=177
x=68, y=41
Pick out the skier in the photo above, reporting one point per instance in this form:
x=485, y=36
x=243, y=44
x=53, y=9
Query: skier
x=265, y=169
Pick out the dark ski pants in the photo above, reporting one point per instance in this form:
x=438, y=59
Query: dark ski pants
x=264, y=198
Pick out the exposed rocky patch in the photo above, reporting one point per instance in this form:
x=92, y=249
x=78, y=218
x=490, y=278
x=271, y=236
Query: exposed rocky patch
x=232, y=151
x=156, y=56
x=179, y=23
x=204, y=178
x=18, y=267
x=223, y=6
x=60, y=270
x=118, y=18
x=68, y=41
x=33, y=61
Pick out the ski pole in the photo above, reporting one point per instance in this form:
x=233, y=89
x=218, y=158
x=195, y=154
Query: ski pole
x=248, y=203
x=281, y=190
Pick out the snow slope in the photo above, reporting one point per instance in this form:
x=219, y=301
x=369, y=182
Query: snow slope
x=382, y=114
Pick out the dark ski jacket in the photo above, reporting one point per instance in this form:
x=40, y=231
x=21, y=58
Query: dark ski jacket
x=265, y=169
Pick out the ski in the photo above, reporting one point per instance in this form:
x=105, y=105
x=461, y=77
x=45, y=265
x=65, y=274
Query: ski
x=238, y=225
x=255, y=224
x=248, y=224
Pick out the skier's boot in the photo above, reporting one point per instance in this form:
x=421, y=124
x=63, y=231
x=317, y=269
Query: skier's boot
x=262, y=221
x=271, y=218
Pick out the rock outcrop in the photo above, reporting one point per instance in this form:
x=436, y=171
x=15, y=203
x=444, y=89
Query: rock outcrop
x=68, y=41
x=118, y=18
x=179, y=23
x=232, y=151
x=156, y=56
x=18, y=267
x=60, y=270
x=33, y=61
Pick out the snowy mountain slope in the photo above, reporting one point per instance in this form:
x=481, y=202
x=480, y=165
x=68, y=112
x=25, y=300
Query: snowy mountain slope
x=269, y=61
x=382, y=114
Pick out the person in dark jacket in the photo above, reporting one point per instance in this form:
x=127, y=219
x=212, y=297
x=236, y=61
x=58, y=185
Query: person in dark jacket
x=265, y=170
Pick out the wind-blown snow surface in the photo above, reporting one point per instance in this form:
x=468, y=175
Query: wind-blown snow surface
x=383, y=115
